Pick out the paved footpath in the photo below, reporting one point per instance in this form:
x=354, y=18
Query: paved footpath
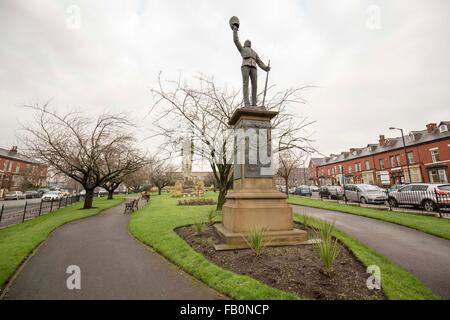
x=425, y=256
x=113, y=266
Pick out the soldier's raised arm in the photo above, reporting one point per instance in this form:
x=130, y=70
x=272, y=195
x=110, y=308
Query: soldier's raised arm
x=236, y=39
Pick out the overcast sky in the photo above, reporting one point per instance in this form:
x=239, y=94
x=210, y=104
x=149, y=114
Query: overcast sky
x=375, y=63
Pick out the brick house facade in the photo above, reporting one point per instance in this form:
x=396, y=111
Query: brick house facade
x=385, y=163
x=14, y=167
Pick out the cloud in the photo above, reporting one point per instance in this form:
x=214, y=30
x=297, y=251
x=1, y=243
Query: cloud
x=368, y=79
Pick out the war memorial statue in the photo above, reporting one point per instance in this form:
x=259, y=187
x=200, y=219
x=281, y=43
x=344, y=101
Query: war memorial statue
x=254, y=203
x=250, y=61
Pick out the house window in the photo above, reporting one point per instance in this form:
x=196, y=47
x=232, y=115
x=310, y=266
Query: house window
x=349, y=169
x=410, y=157
x=367, y=165
x=381, y=163
x=438, y=175
x=434, y=154
x=357, y=167
x=397, y=160
x=17, y=168
x=392, y=161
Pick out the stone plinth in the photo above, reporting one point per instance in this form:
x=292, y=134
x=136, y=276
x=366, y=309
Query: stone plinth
x=254, y=202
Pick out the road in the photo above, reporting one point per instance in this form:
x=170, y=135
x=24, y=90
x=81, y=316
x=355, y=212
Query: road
x=425, y=256
x=113, y=265
x=13, y=210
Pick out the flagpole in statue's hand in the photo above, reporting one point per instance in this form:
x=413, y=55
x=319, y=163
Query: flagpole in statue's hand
x=265, y=87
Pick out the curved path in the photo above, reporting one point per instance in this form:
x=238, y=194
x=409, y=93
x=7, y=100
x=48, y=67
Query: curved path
x=113, y=266
x=425, y=256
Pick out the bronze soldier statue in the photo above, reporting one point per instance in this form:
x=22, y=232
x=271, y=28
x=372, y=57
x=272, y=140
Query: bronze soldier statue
x=250, y=60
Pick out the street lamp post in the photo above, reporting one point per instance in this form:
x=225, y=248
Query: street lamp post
x=304, y=172
x=404, y=149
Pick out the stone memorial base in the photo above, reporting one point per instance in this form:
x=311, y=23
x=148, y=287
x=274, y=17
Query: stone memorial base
x=254, y=203
x=267, y=209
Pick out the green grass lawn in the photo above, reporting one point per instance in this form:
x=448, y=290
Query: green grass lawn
x=154, y=225
x=18, y=241
x=432, y=225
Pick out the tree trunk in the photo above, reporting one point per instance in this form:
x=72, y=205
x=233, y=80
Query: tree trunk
x=110, y=194
x=221, y=198
x=88, y=198
x=287, y=187
x=159, y=190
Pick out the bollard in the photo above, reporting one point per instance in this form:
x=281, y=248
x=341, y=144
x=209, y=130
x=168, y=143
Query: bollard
x=40, y=208
x=389, y=203
x=51, y=206
x=437, y=203
x=24, y=212
x=1, y=212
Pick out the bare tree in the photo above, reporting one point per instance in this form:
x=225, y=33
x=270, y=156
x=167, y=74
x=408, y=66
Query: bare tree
x=204, y=112
x=78, y=146
x=210, y=180
x=287, y=161
x=138, y=180
x=123, y=159
x=163, y=175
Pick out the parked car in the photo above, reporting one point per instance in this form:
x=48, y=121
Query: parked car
x=428, y=196
x=15, y=195
x=331, y=192
x=102, y=192
x=303, y=191
x=31, y=194
x=291, y=190
x=365, y=193
x=65, y=193
x=52, y=196
x=395, y=187
x=314, y=188
x=43, y=191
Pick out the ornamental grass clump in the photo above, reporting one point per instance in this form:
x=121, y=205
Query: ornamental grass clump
x=306, y=220
x=328, y=247
x=199, y=227
x=211, y=216
x=255, y=239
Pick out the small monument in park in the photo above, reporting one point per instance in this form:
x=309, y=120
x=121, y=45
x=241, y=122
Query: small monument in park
x=254, y=202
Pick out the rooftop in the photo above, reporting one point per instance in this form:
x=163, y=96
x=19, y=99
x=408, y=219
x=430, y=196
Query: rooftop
x=431, y=133
x=13, y=154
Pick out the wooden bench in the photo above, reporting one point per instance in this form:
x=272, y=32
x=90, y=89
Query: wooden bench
x=132, y=204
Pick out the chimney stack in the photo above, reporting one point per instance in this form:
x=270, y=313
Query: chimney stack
x=382, y=140
x=13, y=150
x=431, y=127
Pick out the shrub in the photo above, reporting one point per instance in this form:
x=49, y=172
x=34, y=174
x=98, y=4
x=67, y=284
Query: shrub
x=328, y=248
x=255, y=239
x=196, y=202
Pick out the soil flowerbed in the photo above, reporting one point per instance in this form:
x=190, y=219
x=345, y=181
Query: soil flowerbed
x=297, y=269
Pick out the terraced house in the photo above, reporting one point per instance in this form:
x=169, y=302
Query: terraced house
x=426, y=159
x=17, y=170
